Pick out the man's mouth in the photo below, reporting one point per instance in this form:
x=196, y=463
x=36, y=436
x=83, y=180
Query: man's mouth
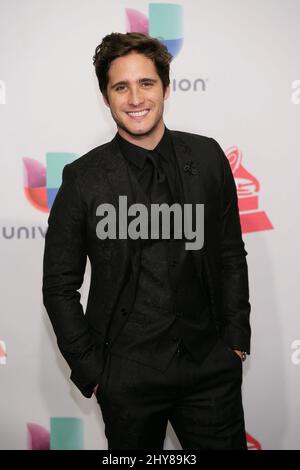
x=138, y=114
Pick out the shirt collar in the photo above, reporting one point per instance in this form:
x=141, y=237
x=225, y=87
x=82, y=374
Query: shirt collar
x=164, y=146
x=138, y=155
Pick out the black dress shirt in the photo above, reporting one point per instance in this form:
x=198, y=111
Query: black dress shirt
x=171, y=308
x=141, y=167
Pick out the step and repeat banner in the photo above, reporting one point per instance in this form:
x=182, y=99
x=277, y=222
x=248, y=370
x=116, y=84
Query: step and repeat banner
x=235, y=77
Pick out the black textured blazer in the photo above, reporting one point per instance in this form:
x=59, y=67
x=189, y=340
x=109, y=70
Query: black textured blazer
x=100, y=177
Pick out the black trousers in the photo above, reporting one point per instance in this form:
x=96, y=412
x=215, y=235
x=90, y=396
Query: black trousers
x=202, y=402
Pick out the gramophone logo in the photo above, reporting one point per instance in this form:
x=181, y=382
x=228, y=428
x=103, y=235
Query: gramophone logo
x=41, y=182
x=3, y=354
x=252, y=218
x=164, y=22
x=252, y=443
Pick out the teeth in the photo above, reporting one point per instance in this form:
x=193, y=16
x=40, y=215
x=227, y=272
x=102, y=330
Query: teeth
x=139, y=113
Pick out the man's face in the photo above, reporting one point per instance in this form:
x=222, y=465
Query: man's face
x=135, y=97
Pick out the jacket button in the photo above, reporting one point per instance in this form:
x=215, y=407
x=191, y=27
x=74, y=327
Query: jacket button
x=124, y=311
x=178, y=314
x=106, y=343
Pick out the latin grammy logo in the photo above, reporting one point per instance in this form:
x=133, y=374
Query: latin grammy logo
x=252, y=219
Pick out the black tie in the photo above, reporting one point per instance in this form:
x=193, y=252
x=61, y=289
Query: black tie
x=159, y=191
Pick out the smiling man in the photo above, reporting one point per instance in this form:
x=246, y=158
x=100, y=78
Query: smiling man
x=136, y=101
x=165, y=329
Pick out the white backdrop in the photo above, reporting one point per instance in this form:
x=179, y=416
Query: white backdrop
x=247, y=54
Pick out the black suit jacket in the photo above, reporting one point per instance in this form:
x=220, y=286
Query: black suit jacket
x=100, y=177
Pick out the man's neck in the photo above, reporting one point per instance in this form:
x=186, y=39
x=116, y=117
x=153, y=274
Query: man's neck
x=148, y=142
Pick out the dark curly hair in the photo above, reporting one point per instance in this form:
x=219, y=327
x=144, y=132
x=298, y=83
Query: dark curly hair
x=117, y=45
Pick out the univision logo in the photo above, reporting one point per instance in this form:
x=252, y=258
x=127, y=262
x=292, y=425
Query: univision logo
x=164, y=22
x=41, y=182
x=65, y=434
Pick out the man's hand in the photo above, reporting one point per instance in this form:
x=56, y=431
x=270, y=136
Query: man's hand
x=239, y=353
x=95, y=389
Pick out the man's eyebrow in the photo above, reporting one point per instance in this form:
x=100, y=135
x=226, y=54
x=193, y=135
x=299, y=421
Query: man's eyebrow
x=126, y=82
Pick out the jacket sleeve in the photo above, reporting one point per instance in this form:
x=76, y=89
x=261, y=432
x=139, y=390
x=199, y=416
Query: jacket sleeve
x=63, y=272
x=234, y=270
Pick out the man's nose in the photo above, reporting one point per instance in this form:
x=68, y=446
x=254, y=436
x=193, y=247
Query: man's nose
x=136, y=97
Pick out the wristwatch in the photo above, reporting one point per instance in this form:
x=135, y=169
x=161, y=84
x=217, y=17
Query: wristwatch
x=244, y=355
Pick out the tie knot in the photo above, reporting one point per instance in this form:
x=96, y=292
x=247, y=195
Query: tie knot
x=153, y=156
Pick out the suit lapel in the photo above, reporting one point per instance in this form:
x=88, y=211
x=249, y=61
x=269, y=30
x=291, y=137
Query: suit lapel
x=191, y=174
x=116, y=171
x=119, y=181
x=189, y=171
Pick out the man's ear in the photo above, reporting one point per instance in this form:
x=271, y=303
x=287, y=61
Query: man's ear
x=105, y=101
x=167, y=92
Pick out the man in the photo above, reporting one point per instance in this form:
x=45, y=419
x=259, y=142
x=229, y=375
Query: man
x=165, y=328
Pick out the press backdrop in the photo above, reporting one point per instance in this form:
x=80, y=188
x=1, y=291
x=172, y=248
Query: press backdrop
x=236, y=78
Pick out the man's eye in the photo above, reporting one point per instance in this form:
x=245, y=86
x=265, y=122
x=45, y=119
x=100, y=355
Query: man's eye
x=147, y=84
x=120, y=87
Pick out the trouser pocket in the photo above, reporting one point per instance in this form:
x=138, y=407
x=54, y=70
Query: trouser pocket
x=104, y=377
